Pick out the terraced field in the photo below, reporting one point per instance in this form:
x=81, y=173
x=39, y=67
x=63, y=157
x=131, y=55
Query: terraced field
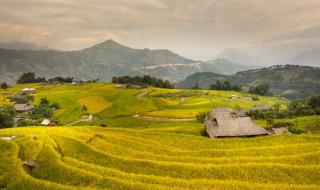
x=107, y=103
x=97, y=158
x=137, y=153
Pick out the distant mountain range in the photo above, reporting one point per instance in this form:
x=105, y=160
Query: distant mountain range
x=290, y=81
x=104, y=61
x=300, y=46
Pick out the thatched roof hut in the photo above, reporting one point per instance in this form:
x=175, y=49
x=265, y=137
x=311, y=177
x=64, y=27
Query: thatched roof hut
x=23, y=107
x=223, y=123
x=280, y=130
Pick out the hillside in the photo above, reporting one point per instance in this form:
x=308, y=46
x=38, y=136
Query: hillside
x=104, y=61
x=151, y=141
x=289, y=81
x=97, y=158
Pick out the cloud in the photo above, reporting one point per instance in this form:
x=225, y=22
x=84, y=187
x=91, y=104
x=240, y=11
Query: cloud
x=196, y=29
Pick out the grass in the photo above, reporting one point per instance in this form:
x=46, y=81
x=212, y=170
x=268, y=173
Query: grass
x=132, y=153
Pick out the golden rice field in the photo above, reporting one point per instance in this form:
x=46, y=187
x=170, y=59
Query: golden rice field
x=134, y=153
x=98, y=158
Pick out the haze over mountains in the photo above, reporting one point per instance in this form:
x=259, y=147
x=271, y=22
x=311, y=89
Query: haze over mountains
x=106, y=60
x=300, y=47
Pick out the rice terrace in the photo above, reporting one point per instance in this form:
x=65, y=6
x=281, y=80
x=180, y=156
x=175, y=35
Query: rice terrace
x=137, y=153
x=159, y=95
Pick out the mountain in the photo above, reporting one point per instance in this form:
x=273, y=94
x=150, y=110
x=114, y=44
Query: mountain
x=241, y=56
x=224, y=66
x=104, y=61
x=21, y=46
x=290, y=81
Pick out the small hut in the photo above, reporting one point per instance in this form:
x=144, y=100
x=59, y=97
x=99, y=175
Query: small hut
x=222, y=122
x=22, y=108
x=31, y=164
x=28, y=90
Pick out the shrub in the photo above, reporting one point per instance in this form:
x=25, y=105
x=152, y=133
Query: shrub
x=103, y=125
x=201, y=116
x=55, y=105
x=6, y=117
x=296, y=130
x=280, y=124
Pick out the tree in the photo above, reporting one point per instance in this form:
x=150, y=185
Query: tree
x=226, y=85
x=260, y=89
x=4, y=86
x=44, y=101
x=30, y=77
x=6, y=117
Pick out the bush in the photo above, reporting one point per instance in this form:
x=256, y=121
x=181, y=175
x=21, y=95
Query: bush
x=296, y=130
x=103, y=125
x=55, y=105
x=280, y=124
x=204, y=132
x=25, y=123
x=201, y=116
x=6, y=117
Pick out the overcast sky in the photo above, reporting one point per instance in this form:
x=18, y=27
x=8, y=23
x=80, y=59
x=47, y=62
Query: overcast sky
x=196, y=29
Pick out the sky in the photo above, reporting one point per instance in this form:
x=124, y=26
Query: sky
x=197, y=29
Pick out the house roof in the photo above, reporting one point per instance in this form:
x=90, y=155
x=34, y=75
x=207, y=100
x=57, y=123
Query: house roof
x=45, y=122
x=223, y=123
x=281, y=130
x=23, y=107
x=28, y=90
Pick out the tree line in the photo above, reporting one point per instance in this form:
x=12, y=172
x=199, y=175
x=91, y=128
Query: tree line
x=30, y=77
x=142, y=81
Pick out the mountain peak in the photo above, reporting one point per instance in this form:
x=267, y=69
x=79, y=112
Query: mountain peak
x=109, y=44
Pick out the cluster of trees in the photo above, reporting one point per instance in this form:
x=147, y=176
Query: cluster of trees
x=44, y=109
x=303, y=107
x=262, y=89
x=225, y=86
x=30, y=77
x=143, y=81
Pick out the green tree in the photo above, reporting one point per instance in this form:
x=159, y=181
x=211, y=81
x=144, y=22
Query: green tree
x=44, y=102
x=260, y=89
x=6, y=117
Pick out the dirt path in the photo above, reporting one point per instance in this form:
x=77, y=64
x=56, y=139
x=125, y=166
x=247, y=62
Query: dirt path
x=142, y=94
x=89, y=119
x=161, y=118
